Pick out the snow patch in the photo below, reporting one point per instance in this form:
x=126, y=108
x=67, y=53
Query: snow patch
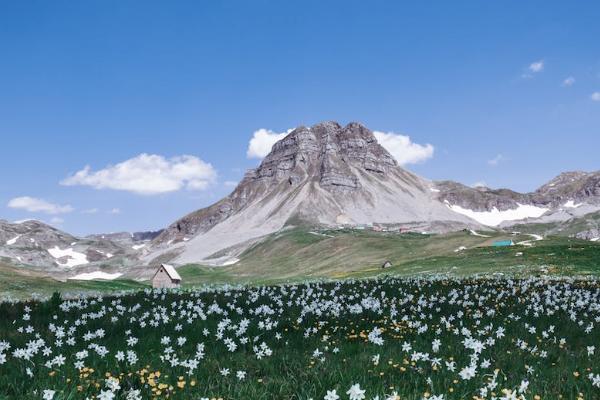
x=13, y=240
x=90, y=276
x=434, y=190
x=230, y=262
x=74, y=258
x=571, y=204
x=477, y=234
x=594, y=239
x=107, y=255
x=461, y=248
x=495, y=217
x=138, y=246
x=536, y=238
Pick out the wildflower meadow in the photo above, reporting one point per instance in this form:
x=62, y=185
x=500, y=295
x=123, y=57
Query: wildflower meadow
x=385, y=338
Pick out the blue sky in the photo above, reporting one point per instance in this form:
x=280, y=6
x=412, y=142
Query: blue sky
x=100, y=83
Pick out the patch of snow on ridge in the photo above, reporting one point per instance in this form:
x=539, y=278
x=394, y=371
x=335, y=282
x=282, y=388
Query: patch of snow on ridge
x=74, y=258
x=90, y=276
x=107, y=255
x=477, y=234
x=13, y=240
x=495, y=217
x=138, y=246
x=536, y=238
x=571, y=204
x=230, y=262
x=594, y=239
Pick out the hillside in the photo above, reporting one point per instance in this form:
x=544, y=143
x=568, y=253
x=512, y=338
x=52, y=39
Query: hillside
x=297, y=254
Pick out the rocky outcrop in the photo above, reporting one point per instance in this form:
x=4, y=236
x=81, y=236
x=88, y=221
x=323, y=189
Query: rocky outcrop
x=35, y=245
x=479, y=198
x=567, y=190
x=579, y=187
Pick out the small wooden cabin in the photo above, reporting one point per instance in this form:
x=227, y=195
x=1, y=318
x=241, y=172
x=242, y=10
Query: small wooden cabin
x=166, y=277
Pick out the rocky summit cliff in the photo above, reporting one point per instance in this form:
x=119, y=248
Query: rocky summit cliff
x=326, y=174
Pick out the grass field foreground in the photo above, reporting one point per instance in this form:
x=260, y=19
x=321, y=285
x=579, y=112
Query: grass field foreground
x=385, y=338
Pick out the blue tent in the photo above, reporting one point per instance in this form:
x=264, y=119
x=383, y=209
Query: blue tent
x=502, y=243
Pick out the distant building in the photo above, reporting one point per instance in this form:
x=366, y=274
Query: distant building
x=386, y=264
x=166, y=277
x=503, y=243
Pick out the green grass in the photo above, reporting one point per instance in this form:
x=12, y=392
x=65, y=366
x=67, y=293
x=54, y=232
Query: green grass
x=20, y=283
x=293, y=322
x=296, y=255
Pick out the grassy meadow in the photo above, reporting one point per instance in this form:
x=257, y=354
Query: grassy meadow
x=297, y=255
x=384, y=338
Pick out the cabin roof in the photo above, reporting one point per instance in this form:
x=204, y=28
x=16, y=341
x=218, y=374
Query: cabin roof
x=171, y=271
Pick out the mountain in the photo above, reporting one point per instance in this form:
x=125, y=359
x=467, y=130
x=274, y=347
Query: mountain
x=35, y=246
x=569, y=195
x=315, y=178
x=136, y=240
x=324, y=175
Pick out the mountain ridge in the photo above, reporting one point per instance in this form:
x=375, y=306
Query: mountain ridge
x=326, y=175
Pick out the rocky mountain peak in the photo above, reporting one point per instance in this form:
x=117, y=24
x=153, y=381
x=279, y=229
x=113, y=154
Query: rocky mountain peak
x=324, y=174
x=326, y=149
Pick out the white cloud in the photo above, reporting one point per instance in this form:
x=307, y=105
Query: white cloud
x=148, y=174
x=479, y=184
x=90, y=211
x=230, y=183
x=56, y=221
x=595, y=96
x=262, y=141
x=403, y=149
x=533, y=68
x=32, y=204
x=115, y=211
x=496, y=160
x=537, y=66
x=568, y=81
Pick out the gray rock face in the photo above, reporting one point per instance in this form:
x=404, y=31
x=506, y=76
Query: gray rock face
x=37, y=246
x=581, y=187
x=479, y=198
x=126, y=238
x=590, y=234
x=576, y=187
